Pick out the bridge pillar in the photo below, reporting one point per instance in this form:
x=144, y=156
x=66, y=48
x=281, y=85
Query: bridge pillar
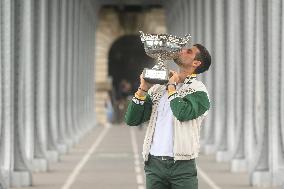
x=7, y=101
x=53, y=62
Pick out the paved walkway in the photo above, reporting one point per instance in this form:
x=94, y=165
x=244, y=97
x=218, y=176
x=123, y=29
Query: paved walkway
x=110, y=158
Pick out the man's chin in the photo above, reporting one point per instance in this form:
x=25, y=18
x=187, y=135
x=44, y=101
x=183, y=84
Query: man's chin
x=178, y=62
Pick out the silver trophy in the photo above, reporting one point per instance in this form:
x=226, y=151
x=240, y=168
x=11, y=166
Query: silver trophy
x=161, y=47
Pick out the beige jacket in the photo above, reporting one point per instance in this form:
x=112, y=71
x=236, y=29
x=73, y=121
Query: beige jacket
x=186, y=133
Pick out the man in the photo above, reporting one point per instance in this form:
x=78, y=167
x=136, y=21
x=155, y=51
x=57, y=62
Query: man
x=175, y=113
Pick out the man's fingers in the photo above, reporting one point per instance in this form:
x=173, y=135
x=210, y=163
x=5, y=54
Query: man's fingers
x=141, y=76
x=172, y=73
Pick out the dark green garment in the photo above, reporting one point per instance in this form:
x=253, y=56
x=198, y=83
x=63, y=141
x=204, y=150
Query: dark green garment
x=191, y=106
x=187, y=108
x=137, y=113
x=167, y=174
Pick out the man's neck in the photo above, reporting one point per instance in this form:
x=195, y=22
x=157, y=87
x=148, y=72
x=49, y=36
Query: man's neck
x=184, y=73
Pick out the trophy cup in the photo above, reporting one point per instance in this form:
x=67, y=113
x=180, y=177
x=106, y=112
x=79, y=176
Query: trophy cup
x=161, y=47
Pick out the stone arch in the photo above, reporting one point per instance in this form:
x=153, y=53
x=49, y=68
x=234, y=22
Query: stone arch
x=127, y=59
x=109, y=29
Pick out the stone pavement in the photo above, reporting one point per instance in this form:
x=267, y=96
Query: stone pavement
x=110, y=158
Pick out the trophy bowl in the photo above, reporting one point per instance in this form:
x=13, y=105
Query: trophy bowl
x=161, y=47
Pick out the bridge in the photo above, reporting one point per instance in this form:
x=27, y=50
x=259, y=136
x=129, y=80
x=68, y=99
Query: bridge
x=64, y=62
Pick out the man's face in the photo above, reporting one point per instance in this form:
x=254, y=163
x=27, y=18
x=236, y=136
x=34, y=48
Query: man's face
x=186, y=57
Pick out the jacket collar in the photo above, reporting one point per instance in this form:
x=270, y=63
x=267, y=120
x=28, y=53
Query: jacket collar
x=189, y=79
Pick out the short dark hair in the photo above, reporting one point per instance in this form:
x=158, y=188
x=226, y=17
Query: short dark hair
x=204, y=57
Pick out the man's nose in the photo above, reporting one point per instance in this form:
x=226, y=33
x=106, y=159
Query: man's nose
x=182, y=51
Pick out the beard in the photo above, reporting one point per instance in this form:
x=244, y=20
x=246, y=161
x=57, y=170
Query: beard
x=178, y=61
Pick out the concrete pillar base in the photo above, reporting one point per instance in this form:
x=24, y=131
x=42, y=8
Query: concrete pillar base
x=4, y=179
x=209, y=149
x=223, y=156
x=239, y=166
x=52, y=156
x=21, y=179
x=66, y=147
x=81, y=134
x=62, y=149
x=261, y=179
x=70, y=143
x=40, y=165
x=278, y=179
x=77, y=139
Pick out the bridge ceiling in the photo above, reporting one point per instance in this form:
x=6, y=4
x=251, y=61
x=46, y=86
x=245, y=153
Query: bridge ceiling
x=131, y=2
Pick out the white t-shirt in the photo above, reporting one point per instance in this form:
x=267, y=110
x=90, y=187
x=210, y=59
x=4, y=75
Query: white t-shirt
x=162, y=144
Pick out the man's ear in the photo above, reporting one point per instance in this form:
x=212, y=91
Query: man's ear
x=196, y=63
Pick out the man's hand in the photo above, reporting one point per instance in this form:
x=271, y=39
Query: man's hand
x=144, y=87
x=144, y=84
x=174, y=77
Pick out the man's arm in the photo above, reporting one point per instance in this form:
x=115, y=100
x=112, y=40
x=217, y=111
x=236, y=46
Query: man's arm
x=140, y=108
x=138, y=111
x=189, y=107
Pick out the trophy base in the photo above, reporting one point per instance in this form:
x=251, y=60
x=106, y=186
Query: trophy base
x=155, y=76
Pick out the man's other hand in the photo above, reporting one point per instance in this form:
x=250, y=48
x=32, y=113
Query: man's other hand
x=174, y=77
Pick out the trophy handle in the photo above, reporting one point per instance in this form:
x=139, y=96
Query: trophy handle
x=142, y=36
